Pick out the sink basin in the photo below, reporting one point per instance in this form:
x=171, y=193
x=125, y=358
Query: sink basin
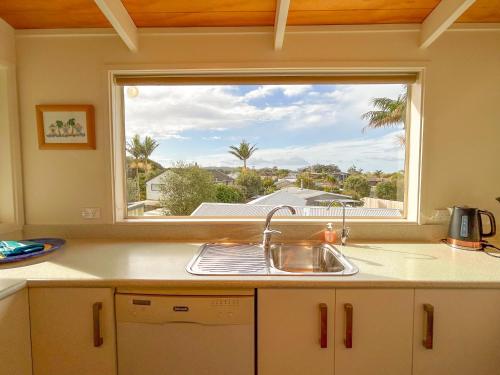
x=321, y=259
x=283, y=259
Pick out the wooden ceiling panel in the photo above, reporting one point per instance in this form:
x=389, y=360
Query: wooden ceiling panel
x=43, y=14
x=195, y=6
x=357, y=17
x=199, y=13
x=202, y=19
x=344, y=5
x=482, y=11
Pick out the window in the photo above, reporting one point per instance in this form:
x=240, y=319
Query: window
x=236, y=147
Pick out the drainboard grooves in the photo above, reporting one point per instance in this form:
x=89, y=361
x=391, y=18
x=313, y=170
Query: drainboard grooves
x=229, y=259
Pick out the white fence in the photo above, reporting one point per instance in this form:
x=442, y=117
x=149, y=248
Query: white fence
x=382, y=203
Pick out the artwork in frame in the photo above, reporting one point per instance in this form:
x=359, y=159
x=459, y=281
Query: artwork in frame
x=65, y=127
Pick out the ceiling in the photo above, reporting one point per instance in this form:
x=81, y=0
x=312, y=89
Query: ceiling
x=43, y=14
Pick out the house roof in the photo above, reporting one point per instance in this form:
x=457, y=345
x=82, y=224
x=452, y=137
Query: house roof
x=296, y=196
x=218, y=175
x=242, y=209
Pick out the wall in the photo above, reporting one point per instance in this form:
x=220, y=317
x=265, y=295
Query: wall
x=11, y=212
x=461, y=137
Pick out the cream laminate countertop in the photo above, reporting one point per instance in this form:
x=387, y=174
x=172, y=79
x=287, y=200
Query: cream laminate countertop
x=106, y=263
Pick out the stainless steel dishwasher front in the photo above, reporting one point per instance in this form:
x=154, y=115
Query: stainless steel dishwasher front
x=179, y=334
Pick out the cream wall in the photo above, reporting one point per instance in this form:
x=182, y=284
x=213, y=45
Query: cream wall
x=461, y=142
x=11, y=211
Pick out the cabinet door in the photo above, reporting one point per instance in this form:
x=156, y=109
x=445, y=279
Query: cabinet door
x=66, y=327
x=373, y=331
x=291, y=326
x=463, y=327
x=15, y=353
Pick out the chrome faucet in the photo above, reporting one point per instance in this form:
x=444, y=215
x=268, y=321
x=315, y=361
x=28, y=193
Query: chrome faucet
x=344, y=235
x=268, y=232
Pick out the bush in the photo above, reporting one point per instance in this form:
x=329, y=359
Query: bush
x=387, y=190
x=250, y=183
x=228, y=194
x=357, y=186
x=184, y=188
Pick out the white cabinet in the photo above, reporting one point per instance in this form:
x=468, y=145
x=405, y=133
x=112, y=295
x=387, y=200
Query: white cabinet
x=461, y=329
x=373, y=331
x=73, y=331
x=292, y=326
x=15, y=353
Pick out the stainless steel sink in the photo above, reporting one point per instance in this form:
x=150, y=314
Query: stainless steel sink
x=322, y=259
x=282, y=259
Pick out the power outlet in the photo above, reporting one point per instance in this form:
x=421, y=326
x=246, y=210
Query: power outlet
x=91, y=213
x=440, y=216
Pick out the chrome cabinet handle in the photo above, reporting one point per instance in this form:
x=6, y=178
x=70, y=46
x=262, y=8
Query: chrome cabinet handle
x=323, y=310
x=96, y=313
x=348, y=310
x=429, y=326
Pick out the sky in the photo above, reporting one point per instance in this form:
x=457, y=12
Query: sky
x=292, y=126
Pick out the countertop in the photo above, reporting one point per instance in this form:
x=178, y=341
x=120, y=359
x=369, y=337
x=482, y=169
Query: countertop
x=156, y=264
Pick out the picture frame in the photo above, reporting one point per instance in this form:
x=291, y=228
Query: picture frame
x=66, y=127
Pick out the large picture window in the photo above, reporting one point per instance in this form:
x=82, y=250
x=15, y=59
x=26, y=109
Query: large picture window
x=239, y=149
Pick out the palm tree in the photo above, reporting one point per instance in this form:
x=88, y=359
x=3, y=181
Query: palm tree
x=243, y=152
x=387, y=113
x=134, y=148
x=148, y=146
x=71, y=124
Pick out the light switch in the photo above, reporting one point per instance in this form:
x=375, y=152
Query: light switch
x=91, y=213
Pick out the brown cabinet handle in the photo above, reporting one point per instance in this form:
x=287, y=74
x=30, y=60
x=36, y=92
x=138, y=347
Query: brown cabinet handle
x=348, y=309
x=429, y=326
x=96, y=312
x=323, y=310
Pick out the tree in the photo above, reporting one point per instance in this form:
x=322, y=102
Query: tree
x=228, y=194
x=322, y=168
x=304, y=180
x=388, y=113
x=243, y=152
x=378, y=173
x=357, y=185
x=268, y=185
x=148, y=147
x=184, y=188
x=282, y=173
x=134, y=148
x=353, y=170
x=331, y=181
x=386, y=190
x=250, y=183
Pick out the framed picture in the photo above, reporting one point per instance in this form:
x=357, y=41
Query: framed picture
x=65, y=127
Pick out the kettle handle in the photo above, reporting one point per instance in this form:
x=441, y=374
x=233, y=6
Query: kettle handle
x=493, y=227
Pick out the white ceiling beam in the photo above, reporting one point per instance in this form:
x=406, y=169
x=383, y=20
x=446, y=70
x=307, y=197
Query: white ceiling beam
x=441, y=18
x=119, y=18
x=280, y=23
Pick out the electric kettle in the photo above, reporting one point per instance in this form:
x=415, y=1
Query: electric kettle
x=466, y=228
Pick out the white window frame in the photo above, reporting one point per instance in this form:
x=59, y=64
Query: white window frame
x=414, y=132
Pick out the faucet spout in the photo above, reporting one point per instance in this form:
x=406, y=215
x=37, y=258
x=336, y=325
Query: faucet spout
x=268, y=232
x=344, y=235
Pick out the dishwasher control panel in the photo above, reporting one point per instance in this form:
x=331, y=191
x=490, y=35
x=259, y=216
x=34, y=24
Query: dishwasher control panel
x=195, y=309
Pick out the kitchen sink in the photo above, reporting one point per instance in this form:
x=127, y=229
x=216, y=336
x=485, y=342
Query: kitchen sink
x=322, y=259
x=282, y=259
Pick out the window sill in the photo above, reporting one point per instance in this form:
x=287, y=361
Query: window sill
x=276, y=220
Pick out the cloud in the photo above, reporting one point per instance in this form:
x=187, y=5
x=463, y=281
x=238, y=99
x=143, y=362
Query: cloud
x=366, y=153
x=268, y=90
x=165, y=111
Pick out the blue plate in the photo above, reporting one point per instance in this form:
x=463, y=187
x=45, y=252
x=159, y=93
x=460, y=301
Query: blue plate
x=50, y=245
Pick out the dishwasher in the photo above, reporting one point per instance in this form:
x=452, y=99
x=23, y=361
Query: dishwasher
x=165, y=334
